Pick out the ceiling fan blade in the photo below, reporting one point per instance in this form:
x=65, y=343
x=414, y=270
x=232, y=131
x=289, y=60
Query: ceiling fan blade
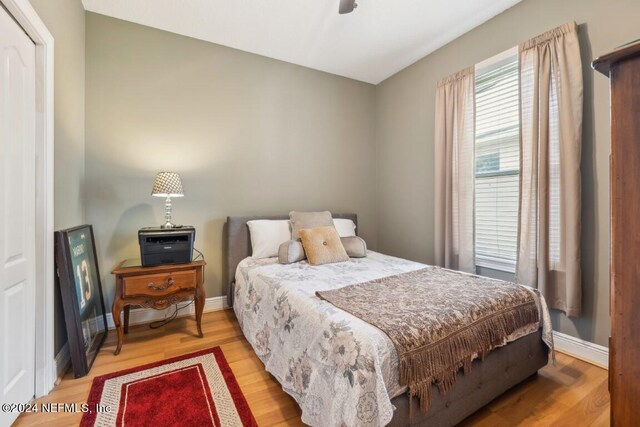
x=347, y=6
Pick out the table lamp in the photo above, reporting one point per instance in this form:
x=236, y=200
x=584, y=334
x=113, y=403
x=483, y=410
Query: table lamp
x=168, y=185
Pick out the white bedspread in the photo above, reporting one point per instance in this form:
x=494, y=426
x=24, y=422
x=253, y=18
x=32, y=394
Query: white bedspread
x=340, y=369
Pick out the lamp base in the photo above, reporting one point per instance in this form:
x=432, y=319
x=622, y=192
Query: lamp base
x=167, y=215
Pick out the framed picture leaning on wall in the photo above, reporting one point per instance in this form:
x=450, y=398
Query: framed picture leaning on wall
x=82, y=299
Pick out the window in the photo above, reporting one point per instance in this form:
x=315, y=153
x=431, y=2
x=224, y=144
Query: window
x=497, y=162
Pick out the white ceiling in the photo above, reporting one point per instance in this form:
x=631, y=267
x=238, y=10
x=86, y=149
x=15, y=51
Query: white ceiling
x=380, y=38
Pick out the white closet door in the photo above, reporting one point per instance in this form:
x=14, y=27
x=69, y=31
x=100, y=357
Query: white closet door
x=17, y=216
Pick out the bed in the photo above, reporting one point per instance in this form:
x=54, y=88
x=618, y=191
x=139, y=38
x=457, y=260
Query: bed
x=340, y=369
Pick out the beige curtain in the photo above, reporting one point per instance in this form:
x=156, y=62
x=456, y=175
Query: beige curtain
x=454, y=172
x=550, y=189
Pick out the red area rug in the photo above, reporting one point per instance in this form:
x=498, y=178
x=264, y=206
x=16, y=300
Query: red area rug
x=196, y=389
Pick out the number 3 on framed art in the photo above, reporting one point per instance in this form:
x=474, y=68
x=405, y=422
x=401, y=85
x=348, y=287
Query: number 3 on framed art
x=84, y=284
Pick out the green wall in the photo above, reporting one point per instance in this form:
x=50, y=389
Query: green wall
x=65, y=19
x=405, y=129
x=248, y=135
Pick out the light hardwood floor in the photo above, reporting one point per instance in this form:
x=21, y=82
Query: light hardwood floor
x=571, y=393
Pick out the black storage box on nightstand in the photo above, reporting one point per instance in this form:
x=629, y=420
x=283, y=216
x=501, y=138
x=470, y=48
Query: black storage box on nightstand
x=159, y=246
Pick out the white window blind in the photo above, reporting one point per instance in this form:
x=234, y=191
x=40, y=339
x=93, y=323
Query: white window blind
x=554, y=179
x=497, y=154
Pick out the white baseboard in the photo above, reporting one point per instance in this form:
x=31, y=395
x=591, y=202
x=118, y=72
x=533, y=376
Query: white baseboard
x=62, y=361
x=139, y=316
x=136, y=317
x=576, y=347
x=581, y=349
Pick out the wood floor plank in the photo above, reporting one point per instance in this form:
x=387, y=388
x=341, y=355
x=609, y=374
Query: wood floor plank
x=590, y=407
x=604, y=420
x=559, y=396
x=485, y=417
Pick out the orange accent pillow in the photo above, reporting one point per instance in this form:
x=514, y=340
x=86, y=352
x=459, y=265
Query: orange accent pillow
x=322, y=245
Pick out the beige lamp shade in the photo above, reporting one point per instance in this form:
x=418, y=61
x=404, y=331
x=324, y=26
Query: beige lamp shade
x=167, y=184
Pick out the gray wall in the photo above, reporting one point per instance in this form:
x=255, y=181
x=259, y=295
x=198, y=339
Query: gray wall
x=65, y=21
x=404, y=138
x=255, y=135
x=248, y=134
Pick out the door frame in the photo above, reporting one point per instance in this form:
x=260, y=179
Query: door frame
x=28, y=19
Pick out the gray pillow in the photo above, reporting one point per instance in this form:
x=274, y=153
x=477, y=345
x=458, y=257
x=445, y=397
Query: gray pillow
x=300, y=220
x=291, y=251
x=355, y=246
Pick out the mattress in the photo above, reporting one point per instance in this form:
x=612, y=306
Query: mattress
x=340, y=369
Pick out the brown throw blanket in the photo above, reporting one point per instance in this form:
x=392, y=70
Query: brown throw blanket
x=438, y=320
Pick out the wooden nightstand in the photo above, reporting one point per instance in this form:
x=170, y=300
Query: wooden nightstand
x=156, y=287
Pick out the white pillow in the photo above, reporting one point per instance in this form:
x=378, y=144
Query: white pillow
x=267, y=235
x=345, y=227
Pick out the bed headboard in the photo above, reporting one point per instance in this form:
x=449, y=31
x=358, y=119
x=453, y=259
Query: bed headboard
x=238, y=243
